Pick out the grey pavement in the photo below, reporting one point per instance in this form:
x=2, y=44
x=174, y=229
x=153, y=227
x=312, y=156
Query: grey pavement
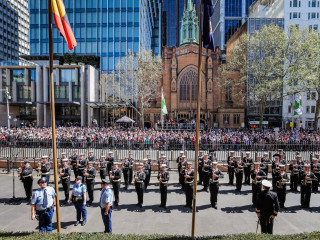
x=234, y=214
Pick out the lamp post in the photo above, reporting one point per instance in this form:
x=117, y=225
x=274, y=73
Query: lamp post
x=8, y=97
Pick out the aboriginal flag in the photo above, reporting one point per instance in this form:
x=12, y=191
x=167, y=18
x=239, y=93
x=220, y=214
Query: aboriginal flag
x=208, y=41
x=62, y=22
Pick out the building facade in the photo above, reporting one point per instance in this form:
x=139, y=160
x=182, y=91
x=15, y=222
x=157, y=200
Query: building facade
x=14, y=29
x=227, y=18
x=29, y=88
x=221, y=106
x=107, y=29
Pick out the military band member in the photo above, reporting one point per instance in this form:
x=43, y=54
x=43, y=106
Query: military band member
x=267, y=207
x=45, y=168
x=74, y=162
x=163, y=178
x=146, y=169
x=90, y=175
x=275, y=169
x=206, y=166
x=131, y=161
x=125, y=170
x=65, y=173
x=200, y=168
x=257, y=176
x=189, y=177
x=43, y=203
x=82, y=164
x=265, y=158
x=294, y=175
x=248, y=162
x=315, y=168
x=115, y=178
x=26, y=177
x=231, y=167
x=139, y=178
x=212, y=157
x=215, y=174
x=163, y=160
x=179, y=160
x=306, y=186
x=63, y=156
x=91, y=157
x=184, y=165
x=264, y=163
x=299, y=160
x=110, y=161
x=238, y=166
x=150, y=164
x=102, y=165
x=283, y=159
x=281, y=178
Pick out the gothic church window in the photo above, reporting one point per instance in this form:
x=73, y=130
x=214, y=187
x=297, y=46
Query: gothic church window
x=188, y=86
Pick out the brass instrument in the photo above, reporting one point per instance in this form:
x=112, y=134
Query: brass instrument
x=256, y=180
x=60, y=172
x=110, y=175
x=38, y=168
x=281, y=183
x=306, y=179
x=135, y=176
x=239, y=167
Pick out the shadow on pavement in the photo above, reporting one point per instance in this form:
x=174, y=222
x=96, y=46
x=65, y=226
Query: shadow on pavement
x=239, y=209
x=12, y=201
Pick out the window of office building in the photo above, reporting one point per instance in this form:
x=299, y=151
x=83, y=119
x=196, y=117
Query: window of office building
x=313, y=109
x=309, y=124
x=33, y=75
x=27, y=111
x=61, y=92
x=24, y=92
x=313, y=15
x=18, y=76
x=231, y=26
x=313, y=3
x=68, y=75
x=295, y=15
x=233, y=8
x=295, y=3
x=76, y=93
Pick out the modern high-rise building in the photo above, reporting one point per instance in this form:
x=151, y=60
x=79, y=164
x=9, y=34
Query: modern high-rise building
x=107, y=29
x=14, y=29
x=227, y=18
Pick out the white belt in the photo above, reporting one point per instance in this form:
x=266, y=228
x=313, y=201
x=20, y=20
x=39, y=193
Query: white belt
x=45, y=173
x=116, y=180
x=90, y=178
x=27, y=176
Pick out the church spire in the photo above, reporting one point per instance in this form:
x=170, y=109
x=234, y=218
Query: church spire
x=189, y=32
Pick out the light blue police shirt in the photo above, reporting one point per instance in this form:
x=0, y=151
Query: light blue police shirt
x=79, y=190
x=37, y=198
x=106, y=196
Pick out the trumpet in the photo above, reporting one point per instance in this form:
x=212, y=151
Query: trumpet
x=111, y=175
x=38, y=169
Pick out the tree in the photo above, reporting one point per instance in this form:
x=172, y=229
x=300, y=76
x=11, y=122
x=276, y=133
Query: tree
x=136, y=80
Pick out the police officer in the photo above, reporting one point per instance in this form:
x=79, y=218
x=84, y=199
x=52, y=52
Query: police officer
x=200, y=167
x=115, y=178
x=281, y=179
x=110, y=161
x=231, y=167
x=82, y=164
x=131, y=161
x=275, y=169
x=215, y=174
x=27, y=179
x=248, y=162
x=267, y=207
x=146, y=169
x=257, y=176
x=206, y=166
x=43, y=202
x=140, y=176
x=189, y=177
x=90, y=175
x=45, y=168
x=315, y=168
x=65, y=173
x=74, y=162
x=125, y=170
x=78, y=197
x=163, y=178
x=106, y=202
x=102, y=165
x=306, y=185
x=238, y=166
x=294, y=175
x=91, y=157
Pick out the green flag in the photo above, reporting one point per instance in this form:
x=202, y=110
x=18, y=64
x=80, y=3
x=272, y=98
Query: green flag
x=164, y=110
x=298, y=109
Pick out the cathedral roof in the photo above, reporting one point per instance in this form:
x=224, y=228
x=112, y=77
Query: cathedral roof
x=189, y=33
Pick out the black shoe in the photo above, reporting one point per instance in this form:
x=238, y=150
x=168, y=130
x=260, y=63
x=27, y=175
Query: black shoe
x=116, y=204
x=215, y=207
x=165, y=207
x=185, y=205
x=253, y=205
x=76, y=223
x=140, y=205
x=83, y=223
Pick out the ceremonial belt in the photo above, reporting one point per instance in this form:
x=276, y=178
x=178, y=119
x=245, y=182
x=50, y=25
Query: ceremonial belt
x=139, y=181
x=205, y=171
x=64, y=177
x=81, y=168
x=27, y=176
x=188, y=182
x=46, y=173
x=316, y=171
x=214, y=181
x=90, y=178
x=116, y=180
x=296, y=173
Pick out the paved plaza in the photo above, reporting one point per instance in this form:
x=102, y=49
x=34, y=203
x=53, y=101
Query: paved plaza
x=234, y=214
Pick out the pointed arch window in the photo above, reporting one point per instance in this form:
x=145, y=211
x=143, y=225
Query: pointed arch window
x=188, y=86
x=190, y=32
x=184, y=33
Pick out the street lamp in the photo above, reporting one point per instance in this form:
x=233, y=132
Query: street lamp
x=8, y=97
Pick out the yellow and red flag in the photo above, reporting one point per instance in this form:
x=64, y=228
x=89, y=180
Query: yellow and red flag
x=62, y=22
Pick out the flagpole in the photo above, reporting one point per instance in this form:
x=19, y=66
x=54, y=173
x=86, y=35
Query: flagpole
x=194, y=205
x=161, y=108
x=53, y=118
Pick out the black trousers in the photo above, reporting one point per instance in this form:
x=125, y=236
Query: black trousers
x=126, y=178
x=200, y=175
x=239, y=177
x=214, y=190
x=189, y=194
x=103, y=173
x=231, y=175
x=305, y=195
x=146, y=182
x=90, y=188
x=27, y=184
x=180, y=179
x=256, y=189
x=116, y=188
x=130, y=175
x=294, y=178
x=247, y=175
x=315, y=184
x=109, y=168
x=282, y=192
x=140, y=192
x=266, y=224
x=66, y=187
x=75, y=171
x=205, y=180
x=163, y=192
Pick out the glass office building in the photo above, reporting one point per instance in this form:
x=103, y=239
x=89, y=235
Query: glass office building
x=228, y=16
x=107, y=29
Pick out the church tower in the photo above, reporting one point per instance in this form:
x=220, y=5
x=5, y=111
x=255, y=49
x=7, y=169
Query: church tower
x=189, y=33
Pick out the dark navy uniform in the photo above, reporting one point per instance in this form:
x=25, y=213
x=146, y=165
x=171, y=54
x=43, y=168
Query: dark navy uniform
x=27, y=179
x=306, y=187
x=103, y=169
x=45, y=171
x=90, y=179
x=206, y=166
x=81, y=166
x=182, y=173
x=91, y=158
x=200, y=169
x=179, y=160
x=116, y=180
x=238, y=166
x=189, y=187
x=248, y=162
x=231, y=169
x=275, y=170
x=139, y=182
x=146, y=169
x=294, y=176
x=281, y=179
x=125, y=169
x=163, y=177
x=74, y=161
x=257, y=177
x=131, y=161
x=215, y=174
x=267, y=206
x=110, y=161
x=315, y=168
x=65, y=173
